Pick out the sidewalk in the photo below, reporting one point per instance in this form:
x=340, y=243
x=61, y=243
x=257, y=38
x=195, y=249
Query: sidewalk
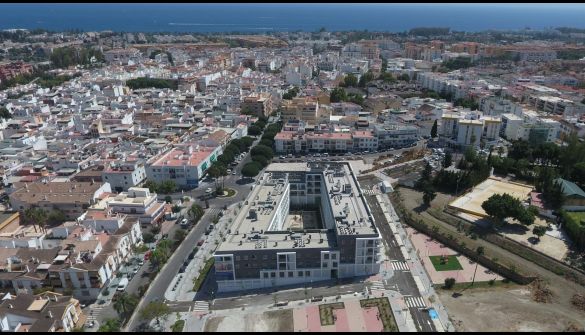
x=418, y=271
x=181, y=287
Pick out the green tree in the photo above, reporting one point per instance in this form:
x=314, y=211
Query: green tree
x=262, y=150
x=168, y=199
x=366, y=78
x=247, y=141
x=350, y=81
x=404, y=77
x=167, y=186
x=254, y=130
x=449, y=283
x=125, y=304
x=434, y=130
x=4, y=113
x=428, y=196
x=56, y=217
x=180, y=235
x=155, y=310
x=448, y=159
x=176, y=208
x=539, y=232
x=251, y=169
x=337, y=95
x=151, y=185
x=195, y=213
x=148, y=237
x=260, y=159
x=110, y=326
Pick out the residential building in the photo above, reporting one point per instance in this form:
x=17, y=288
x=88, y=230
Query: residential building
x=574, y=195
x=304, y=222
x=123, y=175
x=47, y=312
x=395, y=136
x=72, y=198
x=139, y=203
x=183, y=166
x=260, y=105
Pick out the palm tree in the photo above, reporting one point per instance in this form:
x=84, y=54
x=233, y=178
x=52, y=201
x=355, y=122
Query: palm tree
x=195, y=213
x=29, y=217
x=42, y=218
x=125, y=304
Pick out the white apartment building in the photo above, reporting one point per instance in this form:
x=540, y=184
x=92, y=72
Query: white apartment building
x=462, y=128
x=183, y=166
x=139, y=203
x=124, y=175
x=496, y=106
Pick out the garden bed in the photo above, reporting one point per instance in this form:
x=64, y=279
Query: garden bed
x=384, y=310
x=326, y=313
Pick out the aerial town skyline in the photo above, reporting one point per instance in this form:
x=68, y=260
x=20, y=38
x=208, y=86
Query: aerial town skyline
x=292, y=167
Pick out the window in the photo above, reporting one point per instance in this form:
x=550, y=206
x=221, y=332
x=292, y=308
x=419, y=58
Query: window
x=281, y=274
x=307, y=273
x=291, y=274
x=265, y=257
x=272, y=274
x=265, y=274
x=324, y=265
x=326, y=256
x=237, y=258
x=334, y=264
x=300, y=273
x=334, y=256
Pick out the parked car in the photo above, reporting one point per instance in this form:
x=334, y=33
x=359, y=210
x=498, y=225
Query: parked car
x=200, y=243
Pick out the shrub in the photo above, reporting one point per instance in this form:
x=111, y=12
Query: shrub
x=449, y=283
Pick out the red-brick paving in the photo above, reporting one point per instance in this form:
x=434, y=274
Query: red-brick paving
x=314, y=319
x=341, y=322
x=372, y=321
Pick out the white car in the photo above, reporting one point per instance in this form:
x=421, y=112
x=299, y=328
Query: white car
x=234, y=172
x=209, y=190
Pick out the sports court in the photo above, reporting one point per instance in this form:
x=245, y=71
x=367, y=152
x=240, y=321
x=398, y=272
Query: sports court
x=471, y=202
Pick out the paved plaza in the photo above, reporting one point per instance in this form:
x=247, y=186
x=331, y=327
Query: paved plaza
x=428, y=247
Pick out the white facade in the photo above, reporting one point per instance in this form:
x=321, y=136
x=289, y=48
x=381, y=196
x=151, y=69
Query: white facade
x=469, y=130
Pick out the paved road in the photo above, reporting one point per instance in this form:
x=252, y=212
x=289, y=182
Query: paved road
x=158, y=287
x=288, y=293
x=401, y=281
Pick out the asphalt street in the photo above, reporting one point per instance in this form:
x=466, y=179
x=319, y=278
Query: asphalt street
x=158, y=287
x=401, y=281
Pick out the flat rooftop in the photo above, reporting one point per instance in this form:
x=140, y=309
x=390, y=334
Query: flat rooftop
x=255, y=225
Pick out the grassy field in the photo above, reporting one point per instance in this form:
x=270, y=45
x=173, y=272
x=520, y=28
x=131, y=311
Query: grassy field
x=451, y=264
x=577, y=216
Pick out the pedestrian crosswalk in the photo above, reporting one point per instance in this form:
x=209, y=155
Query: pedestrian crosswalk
x=201, y=306
x=397, y=265
x=94, y=312
x=378, y=286
x=416, y=302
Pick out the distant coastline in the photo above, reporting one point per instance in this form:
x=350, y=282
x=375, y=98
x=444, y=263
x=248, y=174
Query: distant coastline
x=217, y=18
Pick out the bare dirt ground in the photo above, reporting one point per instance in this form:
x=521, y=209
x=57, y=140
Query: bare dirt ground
x=271, y=321
x=507, y=309
x=497, y=308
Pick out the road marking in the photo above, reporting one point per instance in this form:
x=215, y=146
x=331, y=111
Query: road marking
x=415, y=302
x=398, y=265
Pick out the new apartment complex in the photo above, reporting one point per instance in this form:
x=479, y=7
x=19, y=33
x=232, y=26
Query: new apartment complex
x=302, y=222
